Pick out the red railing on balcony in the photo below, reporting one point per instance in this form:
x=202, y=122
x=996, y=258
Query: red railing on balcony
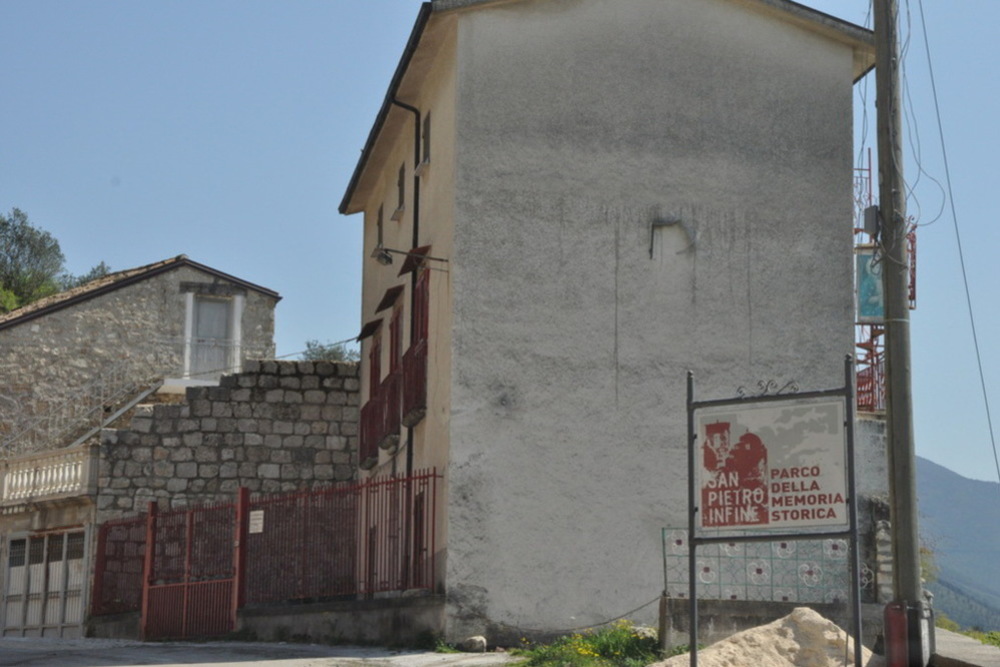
x=371, y=415
x=391, y=393
x=380, y=418
x=415, y=384
x=870, y=374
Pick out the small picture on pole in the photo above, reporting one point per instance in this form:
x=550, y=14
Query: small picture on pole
x=870, y=298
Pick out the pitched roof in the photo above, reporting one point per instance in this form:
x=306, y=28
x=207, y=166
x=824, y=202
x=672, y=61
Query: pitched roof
x=861, y=38
x=112, y=282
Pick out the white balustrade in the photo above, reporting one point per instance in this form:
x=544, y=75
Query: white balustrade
x=48, y=476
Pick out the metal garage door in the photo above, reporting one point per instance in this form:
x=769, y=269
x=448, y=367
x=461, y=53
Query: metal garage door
x=44, y=585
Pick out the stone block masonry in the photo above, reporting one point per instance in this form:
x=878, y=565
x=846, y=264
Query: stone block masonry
x=278, y=426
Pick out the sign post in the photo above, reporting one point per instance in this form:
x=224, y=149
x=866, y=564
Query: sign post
x=778, y=467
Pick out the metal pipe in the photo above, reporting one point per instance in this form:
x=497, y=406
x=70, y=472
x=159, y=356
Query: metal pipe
x=415, y=242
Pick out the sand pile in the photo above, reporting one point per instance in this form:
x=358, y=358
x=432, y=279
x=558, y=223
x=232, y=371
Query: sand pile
x=801, y=639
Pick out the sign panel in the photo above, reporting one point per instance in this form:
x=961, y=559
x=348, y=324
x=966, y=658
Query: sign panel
x=869, y=299
x=256, y=523
x=772, y=465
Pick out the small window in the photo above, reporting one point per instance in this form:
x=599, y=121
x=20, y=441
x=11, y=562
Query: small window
x=212, y=330
x=16, y=556
x=401, y=193
x=379, y=223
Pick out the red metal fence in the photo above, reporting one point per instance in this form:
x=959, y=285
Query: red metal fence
x=398, y=523
x=350, y=540
x=190, y=572
x=121, y=548
x=870, y=369
x=302, y=546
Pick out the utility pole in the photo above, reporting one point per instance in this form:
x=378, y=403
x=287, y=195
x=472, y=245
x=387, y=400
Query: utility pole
x=895, y=275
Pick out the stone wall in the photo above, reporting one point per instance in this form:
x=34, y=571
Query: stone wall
x=59, y=360
x=278, y=426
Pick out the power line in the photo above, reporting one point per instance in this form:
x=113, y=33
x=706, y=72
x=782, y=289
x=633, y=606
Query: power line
x=958, y=239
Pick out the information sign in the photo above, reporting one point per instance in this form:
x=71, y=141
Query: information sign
x=772, y=465
x=256, y=521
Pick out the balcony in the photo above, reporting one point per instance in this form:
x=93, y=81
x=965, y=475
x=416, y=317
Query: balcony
x=380, y=419
x=414, y=384
x=871, y=387
x=390, y=392
x=48, y=476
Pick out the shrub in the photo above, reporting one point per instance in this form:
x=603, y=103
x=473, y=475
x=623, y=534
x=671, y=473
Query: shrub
x=622, y=644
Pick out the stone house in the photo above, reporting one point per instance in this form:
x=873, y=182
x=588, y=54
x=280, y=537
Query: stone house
x=174, y=320
x=566, y=207
x=70, y=365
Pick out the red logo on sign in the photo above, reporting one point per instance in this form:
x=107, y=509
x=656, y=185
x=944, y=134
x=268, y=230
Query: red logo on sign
x=734, y=491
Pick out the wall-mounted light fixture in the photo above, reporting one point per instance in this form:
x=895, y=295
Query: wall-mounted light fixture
x=383, y=255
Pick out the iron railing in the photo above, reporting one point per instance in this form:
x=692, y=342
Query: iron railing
x=83, y=410
x=380, y=418
x=414, y=384
x=302, y=545
x=352, y=540
x=368, y=432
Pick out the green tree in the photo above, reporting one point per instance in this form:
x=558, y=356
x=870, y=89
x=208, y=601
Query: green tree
x=30, y=261
x=317, y=351
x=69, y=281
x=8, y=301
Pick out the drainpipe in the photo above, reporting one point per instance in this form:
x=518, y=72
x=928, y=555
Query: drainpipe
x=416, y=238
x=413, y=330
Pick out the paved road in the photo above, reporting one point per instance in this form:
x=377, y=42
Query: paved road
x=955, y=650
x=123, y=653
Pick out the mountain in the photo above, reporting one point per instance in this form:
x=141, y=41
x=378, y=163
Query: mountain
x=960, y=522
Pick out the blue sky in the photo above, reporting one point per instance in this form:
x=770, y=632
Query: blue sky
x=227, y=130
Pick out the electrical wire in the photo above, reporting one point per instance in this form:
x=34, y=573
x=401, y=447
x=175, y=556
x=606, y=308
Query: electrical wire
x=958, y=239
x=563, y=631
x=913, y=136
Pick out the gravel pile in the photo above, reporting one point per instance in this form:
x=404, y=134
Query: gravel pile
x=801, y=639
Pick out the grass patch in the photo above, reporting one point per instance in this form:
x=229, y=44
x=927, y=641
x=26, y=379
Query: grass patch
x=621, y=644
x=441, y=646
x=991, y=638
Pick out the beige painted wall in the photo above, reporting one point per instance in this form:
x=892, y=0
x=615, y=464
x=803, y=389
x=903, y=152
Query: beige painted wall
x=435, y=95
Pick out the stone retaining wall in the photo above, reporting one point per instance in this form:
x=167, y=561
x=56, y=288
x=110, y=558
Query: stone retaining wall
x=278, y=426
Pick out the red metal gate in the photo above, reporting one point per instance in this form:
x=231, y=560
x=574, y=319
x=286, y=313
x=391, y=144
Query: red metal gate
x=190, y=573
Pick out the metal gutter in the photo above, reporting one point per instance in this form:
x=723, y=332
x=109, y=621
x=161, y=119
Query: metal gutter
x=426, y=9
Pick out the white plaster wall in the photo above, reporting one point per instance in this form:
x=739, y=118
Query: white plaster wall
x=579, y=122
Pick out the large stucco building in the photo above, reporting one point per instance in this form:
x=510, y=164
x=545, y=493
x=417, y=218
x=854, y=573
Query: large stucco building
x=583, y=200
